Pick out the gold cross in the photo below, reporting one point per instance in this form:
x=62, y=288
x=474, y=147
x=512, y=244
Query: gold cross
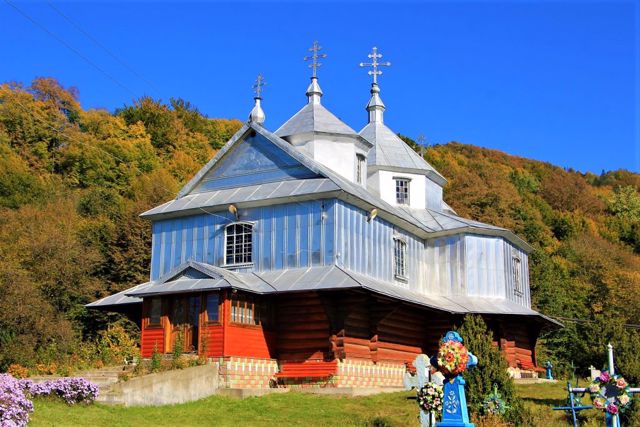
x=374, y=55
x=257, y=87
x=314, y=58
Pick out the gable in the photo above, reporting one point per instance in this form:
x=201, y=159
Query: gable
x=190, y=273
x=253, y=160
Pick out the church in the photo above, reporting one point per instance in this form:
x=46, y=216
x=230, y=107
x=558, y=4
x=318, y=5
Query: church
x=315, y=255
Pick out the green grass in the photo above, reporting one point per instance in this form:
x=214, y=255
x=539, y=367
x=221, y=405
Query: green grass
x=290, y=409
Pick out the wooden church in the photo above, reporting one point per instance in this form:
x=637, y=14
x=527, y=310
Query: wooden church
x=317, y=255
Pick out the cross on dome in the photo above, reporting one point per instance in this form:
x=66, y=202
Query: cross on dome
x=257, y=86
x=314, y=57
x=374, y=64
x=257, y=115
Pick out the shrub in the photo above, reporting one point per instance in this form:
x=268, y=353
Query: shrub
x=491, y=370
x=15, y=407
x=18, y=371
x=71, y=390
x=156, y=359
x=117, y=345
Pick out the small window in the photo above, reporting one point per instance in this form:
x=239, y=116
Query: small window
x=360, y=168
x=213, y=307
x=517, y=280
x=402, y=191
x=399, y=258
x=239, y=245
x=155, y=311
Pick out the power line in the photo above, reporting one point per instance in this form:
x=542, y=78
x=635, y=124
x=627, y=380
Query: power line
x=68, y=46
x=101, y=46
x=576, y=320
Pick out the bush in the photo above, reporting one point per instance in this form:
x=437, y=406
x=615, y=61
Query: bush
x=491, y=370
x=15, y=407
x=18, y=371
x=71, y=390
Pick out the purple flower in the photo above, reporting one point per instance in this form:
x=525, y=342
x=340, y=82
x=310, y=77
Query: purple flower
x=14, y=405
x=604, y=377
x=612, y=408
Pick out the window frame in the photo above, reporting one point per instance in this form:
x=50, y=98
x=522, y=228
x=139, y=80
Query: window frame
x=406, y=200
x=361, y=164
x=217, y=321
x=226, y=244
x=250, y=311
x=516, y=267
x=159, y=314
x=400, y=253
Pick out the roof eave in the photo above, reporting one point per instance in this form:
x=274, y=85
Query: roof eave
x=504, y=233
x=433, y=175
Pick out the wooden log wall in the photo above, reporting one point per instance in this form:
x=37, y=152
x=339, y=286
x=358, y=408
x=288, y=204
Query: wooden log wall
x=303, y=331
x=152, y=337
x=213, y=336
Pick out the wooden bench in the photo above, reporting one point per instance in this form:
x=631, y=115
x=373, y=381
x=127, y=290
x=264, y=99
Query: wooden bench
x=308, y=369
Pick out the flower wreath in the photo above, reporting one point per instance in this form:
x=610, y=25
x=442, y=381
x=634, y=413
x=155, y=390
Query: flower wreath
x=453, y=357
x=610, y=393
x=430, y=397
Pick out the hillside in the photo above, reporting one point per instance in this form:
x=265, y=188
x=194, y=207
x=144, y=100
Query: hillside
x=73, y=181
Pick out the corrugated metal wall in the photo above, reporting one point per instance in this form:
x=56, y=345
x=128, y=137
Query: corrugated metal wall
x=444, y=260
x=285, y=236
x=485, y=266
x=367, y=247
x=326, y=231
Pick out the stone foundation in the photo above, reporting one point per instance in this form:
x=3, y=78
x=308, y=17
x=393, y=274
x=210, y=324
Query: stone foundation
x=367, y=374
x=247, y=372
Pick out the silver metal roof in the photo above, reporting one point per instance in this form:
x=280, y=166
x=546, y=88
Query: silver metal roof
x=306, y=279
x=314, y=117
x=253, y=193
x=118, y=299
x=389, y=152
x=425, y=223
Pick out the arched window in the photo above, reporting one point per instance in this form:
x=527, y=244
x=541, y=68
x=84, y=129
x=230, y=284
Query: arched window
x=238, y=243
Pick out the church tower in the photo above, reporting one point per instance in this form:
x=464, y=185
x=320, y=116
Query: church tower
x=324, y=137
x=396, y=173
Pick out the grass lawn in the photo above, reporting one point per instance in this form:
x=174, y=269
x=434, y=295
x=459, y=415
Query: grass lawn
x=287, y=409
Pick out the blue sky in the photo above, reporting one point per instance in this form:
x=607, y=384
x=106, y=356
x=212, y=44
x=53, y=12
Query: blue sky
x=554, y=81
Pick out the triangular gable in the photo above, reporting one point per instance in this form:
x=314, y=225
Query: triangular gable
x=249, y=158
x=190, y=273
x=189, y=270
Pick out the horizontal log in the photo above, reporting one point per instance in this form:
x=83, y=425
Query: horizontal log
x=399, y=347
x=300, y=356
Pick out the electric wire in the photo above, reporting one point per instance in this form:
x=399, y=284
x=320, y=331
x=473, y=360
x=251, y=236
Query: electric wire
x=68, y=46
x=102, y=46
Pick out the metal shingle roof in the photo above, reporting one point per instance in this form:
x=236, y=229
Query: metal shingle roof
x=314, y=118
x=389, y=151
x=308, y=279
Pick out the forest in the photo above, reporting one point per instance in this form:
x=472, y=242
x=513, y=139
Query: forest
x=73, y=182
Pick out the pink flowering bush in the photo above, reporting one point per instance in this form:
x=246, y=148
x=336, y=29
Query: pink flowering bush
x=15, y=407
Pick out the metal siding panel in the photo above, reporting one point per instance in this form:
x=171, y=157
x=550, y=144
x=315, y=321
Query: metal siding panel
x=279, y=213
x=316, y=236
x=267, y=235
x=304, y=236
x=156, y=240
x=329, y=233
x=200, y=222
x=290, y=232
